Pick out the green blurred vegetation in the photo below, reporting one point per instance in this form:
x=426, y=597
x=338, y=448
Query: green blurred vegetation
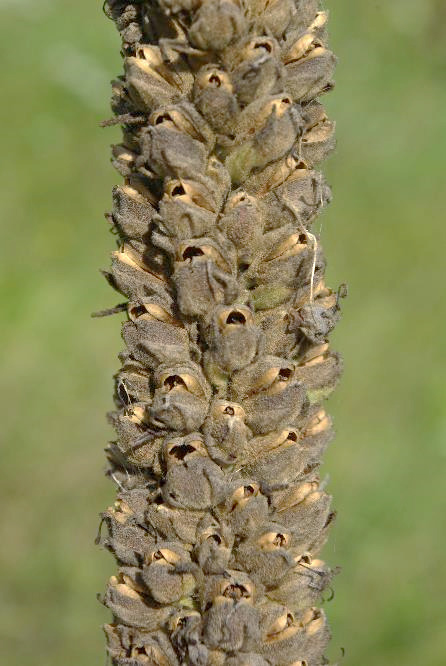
x=382, y=235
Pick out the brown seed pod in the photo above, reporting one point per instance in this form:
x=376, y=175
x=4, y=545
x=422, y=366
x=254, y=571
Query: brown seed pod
x=274, y=16
x=226, y=433
x=151, y=82
x=244, y=508
x=171, y=153
x=231, y=625
x=216, y=24
x=215, y=98
x=269, y=393
x=266, y=130
x=242, y=223
x=181, y=398
x=187, y=209
x=259, y=71
x=287, y=638
x=265, y=555
x=162, y=574
x=196, y=485
x=303, y=586
x=173, y=523
x=214, y=546
x=144, y=647
x=232, y=338
x=130, y=607
x=276, y=458
x=133, y=277
x=202, y=277
x=132, y=211
x=152, y=339
x=309, y=68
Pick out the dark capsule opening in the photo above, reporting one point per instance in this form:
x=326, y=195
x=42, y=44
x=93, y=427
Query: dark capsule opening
x=236, y=317
x=292, y=436
x=264, y=45
x=181, y=451
x=285, y=374
x=229, y=411
x=162, y=118
x=191, y=252
x=215, y=81
x=173, y=381
x=279, y=540
x=178, y=190
x=236, y=592
x=216, y=538
x=123, y=394
x=138, y=310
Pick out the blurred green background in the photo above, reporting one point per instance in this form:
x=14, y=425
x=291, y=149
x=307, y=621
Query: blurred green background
x=383, y=236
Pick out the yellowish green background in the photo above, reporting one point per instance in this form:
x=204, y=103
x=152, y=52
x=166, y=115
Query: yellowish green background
x=384, y=235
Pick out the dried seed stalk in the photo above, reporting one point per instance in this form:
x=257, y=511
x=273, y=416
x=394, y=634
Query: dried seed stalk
x=219, y=401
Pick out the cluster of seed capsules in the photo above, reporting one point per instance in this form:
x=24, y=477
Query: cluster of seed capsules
x=220, y=420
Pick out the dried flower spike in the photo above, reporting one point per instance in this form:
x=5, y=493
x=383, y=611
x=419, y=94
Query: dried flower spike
x=219, y=419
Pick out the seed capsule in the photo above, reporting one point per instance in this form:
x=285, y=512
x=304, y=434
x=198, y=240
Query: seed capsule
x=226, y=434
x=231, y=584
x=232, y=338
x=160, y=575
x=307, y=518
x=151, y=83
x=245, y=508
x=269, y=393
x=187, y=209
x=289, y=637
x=134, y=278
x=123, y=160
x=278, y=457
x=259, y=72
x=317, y=319
x=216, y=24
x=181, y=398
x=132, y=212
x=306, y=191
x=129, y=607
x=242, y=223
x=266, y=130
x=323, y=371
x=215, y=98
x=197, y=484
x=171, y=153
x=202, y=278
x=283, y=261
x=274, y=16
x=173, y=523
x=309, y=68
x=183, y=449
x=318, y=139
x=265, y=555
x=126, y=540
x=153, y=341
x=213, y=549
x=144, y=647
x=184, y=118
x=303, y=585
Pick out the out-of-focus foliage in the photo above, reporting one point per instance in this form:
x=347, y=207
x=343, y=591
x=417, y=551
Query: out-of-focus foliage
x=383, y=235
